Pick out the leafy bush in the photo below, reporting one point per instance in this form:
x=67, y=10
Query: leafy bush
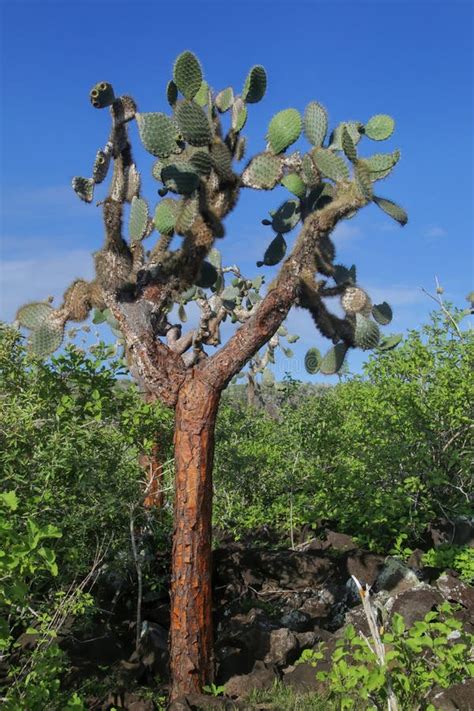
x=459, y=558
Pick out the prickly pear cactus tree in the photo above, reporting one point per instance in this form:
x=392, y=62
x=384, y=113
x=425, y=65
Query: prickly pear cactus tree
x=167, y=255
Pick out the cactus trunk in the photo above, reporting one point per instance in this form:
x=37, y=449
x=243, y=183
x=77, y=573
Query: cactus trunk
x=191, y=645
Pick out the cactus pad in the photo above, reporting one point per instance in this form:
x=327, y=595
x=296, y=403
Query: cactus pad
x=166, y=214
x=157, y=133
x=171, y=93
x=102, y=95
x=356, y=300
x=284, y=129
x=84, y=188
x=188, y=211
x=255, y=85
x=202, y=96
x=366, y=333
x=330, y=164
x=193, y=123
x=392, y=209
x=138, y=222
x=274, y=253
x=201, y=162
x=312, y=361
x=239, y=114
x=315, y=123
x=76, y=301
x=381, y=164
x=348, y=145
x=222, y=160
x=386, y=344
x=224, y=99
x=263, y=172
x=379, y=127
x=187, y=74
x=363, y=179
x=353, y=127
x=47, y=338
x=309, y=172
x=180, y=178
x=287, y=216
x=207, y=276
x=101, y=166
x=294, y=184
x=382, y=313
x=333, y=360
x=32, y=315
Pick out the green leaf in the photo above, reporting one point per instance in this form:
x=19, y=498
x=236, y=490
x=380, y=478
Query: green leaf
x=10, y=499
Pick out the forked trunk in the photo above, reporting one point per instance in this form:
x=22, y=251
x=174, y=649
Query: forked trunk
x=191, y=647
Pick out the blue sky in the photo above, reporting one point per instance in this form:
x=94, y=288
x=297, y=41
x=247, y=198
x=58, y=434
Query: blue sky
x=412, y=60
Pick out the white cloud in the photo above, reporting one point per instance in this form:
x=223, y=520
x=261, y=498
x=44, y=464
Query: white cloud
x=396, y=295
x=345, y=232
x=39, y=277
x=436, y=231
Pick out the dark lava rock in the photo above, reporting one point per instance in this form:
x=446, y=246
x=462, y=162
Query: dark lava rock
x=262, y=676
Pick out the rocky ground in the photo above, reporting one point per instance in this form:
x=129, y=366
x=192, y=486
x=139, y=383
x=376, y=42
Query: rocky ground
x=270, y=606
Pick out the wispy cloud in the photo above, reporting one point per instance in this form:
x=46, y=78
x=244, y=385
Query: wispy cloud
x=435, y=231
x=42, y=201
x=345, y=232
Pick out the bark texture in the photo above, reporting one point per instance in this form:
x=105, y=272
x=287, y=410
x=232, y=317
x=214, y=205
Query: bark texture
x=191, y=649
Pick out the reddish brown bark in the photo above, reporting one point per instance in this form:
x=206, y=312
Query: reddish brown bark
x=191, y=650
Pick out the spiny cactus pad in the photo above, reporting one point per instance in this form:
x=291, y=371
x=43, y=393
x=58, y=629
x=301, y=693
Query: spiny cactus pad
x=263, y=172
x=255, y=85
x=366, y=333
x=224, y=99
x=33, y=314
x=392, y=209
x=188, y=211
x=318, y=197
x=193, y=123
x=348, y=145
x=309, y=172
x=207, y=275
x=201, y=162
x=101, y=166
x=330, y=164
x=102, y=95
x=239, y=114
x=363, y=179
x=275, y=252
x=354, y=129
x=157, y=133
x=171, y=93
x=356, y=300
x=379, y=127
x=138, y=222
x=180, y=178
x=166, y=214
x=76, y=301
x=386, y=344
x=344, y=275
x=315, y=123
x=202, y=97
x=284, y=129
x=222, y=159
x=381, y=164
x=294, y=184
x=382, y=313
x=312, y=361
x=47, y=338
x=84, y=188
x=333, y=360
x=187, y=74
x=287, y=216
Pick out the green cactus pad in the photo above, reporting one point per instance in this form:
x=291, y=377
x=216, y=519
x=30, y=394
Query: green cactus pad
x=166, y=214
x=381, y=164
x=255, y=85
x=138, y=222
x=356, y=300
x=207, y=276
x=202, y=97
x=215, y=258
x=201, y=162
x=315, y=123
x=180, y=178
x=193, y=124
x=330, y=164
x=157, y=133
x=84, y=188
x=284, y=129
x=224, y=99
x=46, y=338
x=333, y=360
x=263, y=172
x=239, y=150
x=363, y=179
x=386, y=344
x=287, y=216
x=171, y=93
x=309, y=172
x=222, y=159
x=353, y=127
x=392, y=209
x=366, y=333
x=188, y=211
x=102, y=95
x=318, y=197
x=239, y=114
x=382, y=313
x=348, y=145
x=344, y=275
x=312, y=361
x=294, y=184
x=274, y=253
x=187, y=74
x=33, y=314
x=101, y=166
x=76, y=300
x=379, y=127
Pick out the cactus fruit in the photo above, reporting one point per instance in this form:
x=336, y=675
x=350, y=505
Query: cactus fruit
x=187, y=74
x=33, y=314
x=392, y=209
x=166, y=214
x=348, y=145
x=363, y=180
x=157, y=133
x=239, y=114
x=222, y=160
x=255, y=85
x=312, y=361
x=315, y=123
x=138, y=222
x=294, y=184
x=180, y=178
x=382, y=313
x=224, y=99
x=263, y=172
x=46, y=338
x=274, y=253
x=379, y=127
x=330, y=164
x=193, y=123
x=84, y=188
x=188, y=211
x=171, y=93
x=332, y=362
x=287, y=216
x=284, y=129
x=356, y=300
x=102, y=95
x=101, y=166
x=76, y=301
x=366, y=333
